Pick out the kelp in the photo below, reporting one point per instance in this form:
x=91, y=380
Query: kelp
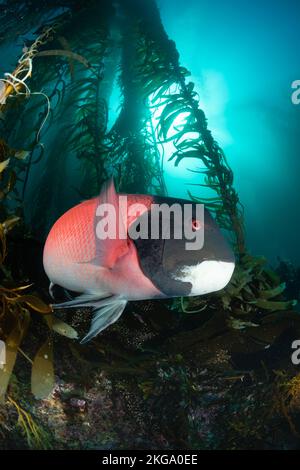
x=168, y=94
x=131, y=141
x=286, y=398
x=74, y=61
x=42, y=373
x=149, y=71
x=16, y=307
x=69, y=67
x=14, y=107
x=17, y=304
x=253, y=288
x=165, y=90
x=35, y=436
x=151, y=78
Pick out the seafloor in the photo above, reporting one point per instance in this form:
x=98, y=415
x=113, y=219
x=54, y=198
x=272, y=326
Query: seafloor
x=161, y=379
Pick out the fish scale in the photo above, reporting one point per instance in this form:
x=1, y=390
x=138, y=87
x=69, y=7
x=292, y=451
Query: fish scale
x=111, y=271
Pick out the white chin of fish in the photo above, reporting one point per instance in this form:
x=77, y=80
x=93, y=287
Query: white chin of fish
x=206, y=277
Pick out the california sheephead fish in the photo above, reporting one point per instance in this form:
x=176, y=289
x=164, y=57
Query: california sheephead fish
x=111, y=269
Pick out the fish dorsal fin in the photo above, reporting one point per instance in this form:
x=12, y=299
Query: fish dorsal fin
x=108, y=193
x=110, y=249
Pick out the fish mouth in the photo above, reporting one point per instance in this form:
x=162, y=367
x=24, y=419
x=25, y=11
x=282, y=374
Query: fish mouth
x=207, y=276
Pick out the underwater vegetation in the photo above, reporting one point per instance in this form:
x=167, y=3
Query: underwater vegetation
x=204, y=372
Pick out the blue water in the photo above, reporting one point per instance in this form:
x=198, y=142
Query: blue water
x=243, y=57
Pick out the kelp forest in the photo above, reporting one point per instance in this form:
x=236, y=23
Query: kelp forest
x=209, y=372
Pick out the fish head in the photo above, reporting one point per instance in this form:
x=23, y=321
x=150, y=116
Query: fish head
x=185, y=252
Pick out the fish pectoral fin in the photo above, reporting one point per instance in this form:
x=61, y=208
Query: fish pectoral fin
x=107, y=309
x=52, y=289
x=89, y=299
x=105, y=314
x=51, y=286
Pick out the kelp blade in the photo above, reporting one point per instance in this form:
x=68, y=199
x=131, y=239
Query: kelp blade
x=12, y=344
x=42, y=374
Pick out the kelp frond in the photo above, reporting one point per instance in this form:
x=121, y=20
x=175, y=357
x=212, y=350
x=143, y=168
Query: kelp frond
x=17, y=302
x=35, y=436
x=253, y=288
x=171, y=98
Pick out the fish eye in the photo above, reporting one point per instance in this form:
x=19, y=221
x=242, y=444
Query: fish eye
x=196, y=225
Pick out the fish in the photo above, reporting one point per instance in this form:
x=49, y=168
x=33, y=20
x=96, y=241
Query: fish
x=108, y=269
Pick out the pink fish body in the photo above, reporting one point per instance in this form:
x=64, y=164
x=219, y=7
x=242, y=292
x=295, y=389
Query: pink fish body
x=70, y=257
x=107, y=272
